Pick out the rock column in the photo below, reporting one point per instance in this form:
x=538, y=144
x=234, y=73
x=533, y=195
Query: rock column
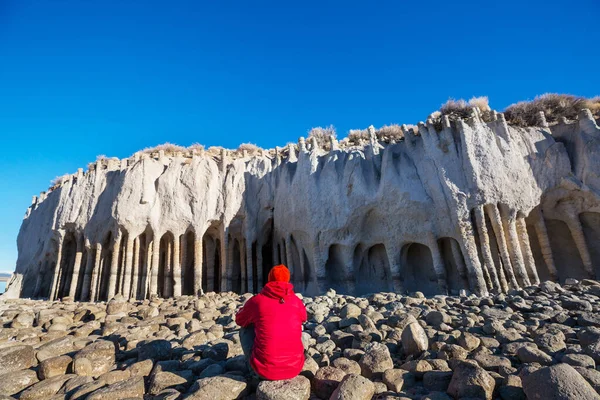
x=135, y=273
x=542, y=235
x=126, y=289
x=55, y=278
x=114, y=266
x=509, y=217
x=197, y=265
x=576, y=229
x=95, y=273
x=76, y=266
x=526, y=250
x=176, y=266
x=497, y=279
x=87, y=276
x=496, y=221
x=155, y=264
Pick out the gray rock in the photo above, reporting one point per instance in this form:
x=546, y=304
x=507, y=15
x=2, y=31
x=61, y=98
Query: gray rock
x=95, y=359
x=16, y=381
x=375, y=361
x=354, y=387
x=414, y=339
x=397, y=379
x=156, y=350
x=326, y=380
x=437, y=381
x=223, y=387
x=558, y=382
x=533, y=355
x=16, y=358
x=297, y=388
x=129, y=389
x=469, y=380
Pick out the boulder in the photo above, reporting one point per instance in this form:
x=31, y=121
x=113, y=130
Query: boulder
x=218, y=388
x=375, y=361
x=297, y=388
x=414, y=339
x=94, y=359
x=129, y=389
x=469, y=380
x=54, y=366
x=16, y=358
x=354, y=387
x=17, y=381
x=395, y=379
x=156, y=350
x=326, y=380
x=46, y=388
x=558, y=382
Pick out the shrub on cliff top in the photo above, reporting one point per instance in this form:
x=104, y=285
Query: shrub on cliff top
x=461, y=109
x=322, y=136
x=554, y=106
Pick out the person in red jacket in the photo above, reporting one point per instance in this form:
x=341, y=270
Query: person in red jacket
x=271, y=334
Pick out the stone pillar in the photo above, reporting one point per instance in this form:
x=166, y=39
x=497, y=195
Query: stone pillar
x=211, y=251
x=225, y=261
x=249, y=267
x=176, y=266
x=259, y=267
x=509, y=217
x=496, y=221
x=460, y=264
x=438, y=266
x=546, y=249
x=526, y=250
x=114, y=266
x=87, y=276
x=576, y=229
x=469, y=251
x=95, y=273
x=168, y=275
x=198, y=266
x=243, y=272
x=126, y=290
x=155, y=265
x=497, y=279
x=146, y=270
x=135, y=273
x=55, y=279
x=288, y=257
x=186, y=258
x=38, y=279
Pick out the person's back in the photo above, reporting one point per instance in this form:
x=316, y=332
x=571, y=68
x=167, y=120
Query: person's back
x=277, y=315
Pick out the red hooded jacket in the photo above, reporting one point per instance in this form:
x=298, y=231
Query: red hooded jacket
x=277, y=314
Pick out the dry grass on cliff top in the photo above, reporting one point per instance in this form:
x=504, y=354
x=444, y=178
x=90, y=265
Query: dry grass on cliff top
x=554, y=106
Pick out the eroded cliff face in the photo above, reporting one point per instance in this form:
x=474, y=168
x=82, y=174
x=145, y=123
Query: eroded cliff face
x=478, y=206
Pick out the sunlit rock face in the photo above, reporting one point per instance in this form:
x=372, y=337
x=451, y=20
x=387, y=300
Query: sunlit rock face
x=480, y=206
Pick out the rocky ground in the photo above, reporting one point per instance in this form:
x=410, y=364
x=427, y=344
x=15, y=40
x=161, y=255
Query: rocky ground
x=535, y=343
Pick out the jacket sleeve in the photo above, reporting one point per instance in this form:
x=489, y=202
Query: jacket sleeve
x=247, y=314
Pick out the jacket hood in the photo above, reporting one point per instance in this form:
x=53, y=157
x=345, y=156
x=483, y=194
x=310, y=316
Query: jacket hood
x=278, y=290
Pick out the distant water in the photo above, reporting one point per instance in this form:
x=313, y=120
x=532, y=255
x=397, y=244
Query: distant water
x=2, y=287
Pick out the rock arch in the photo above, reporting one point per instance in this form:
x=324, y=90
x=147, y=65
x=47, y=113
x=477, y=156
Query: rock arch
x=590, y=222
x=335, y=271
x=454, y=263
x=371, y=269
x=566, y=255
x=418, y=273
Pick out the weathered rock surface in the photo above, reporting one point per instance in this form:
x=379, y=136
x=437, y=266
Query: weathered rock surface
x=446, y=191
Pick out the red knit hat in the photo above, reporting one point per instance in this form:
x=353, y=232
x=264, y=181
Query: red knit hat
x=279, y=273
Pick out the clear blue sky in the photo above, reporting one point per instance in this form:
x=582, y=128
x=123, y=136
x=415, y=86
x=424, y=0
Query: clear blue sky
x=83, y=78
